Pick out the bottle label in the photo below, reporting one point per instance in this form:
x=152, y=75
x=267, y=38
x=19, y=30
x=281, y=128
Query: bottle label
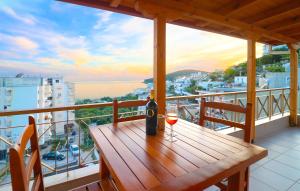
x=150, y=112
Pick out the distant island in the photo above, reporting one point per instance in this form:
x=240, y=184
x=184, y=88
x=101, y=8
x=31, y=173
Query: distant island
x=174, y=75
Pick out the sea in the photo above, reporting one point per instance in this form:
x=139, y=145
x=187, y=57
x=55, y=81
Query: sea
x=98, y=89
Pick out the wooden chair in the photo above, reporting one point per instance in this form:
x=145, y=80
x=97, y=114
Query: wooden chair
x=227, y=107
x=245, y=126
x=123, y=104
x=20, y=173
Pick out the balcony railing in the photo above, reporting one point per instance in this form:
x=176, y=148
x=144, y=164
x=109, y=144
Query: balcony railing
x=74, y=130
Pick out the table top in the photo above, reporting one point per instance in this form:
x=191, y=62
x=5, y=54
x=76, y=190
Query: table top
x=199, y=158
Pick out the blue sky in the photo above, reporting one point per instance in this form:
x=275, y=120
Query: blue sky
x=81, y=43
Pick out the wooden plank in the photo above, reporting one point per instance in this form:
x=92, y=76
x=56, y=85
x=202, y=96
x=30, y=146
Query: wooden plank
x=131, y=118
x=200, y=154
x=251, y=78
x=153, y=165
x=237, y=144
x=293, y=85
x=135, y=165
x=240, y=6
x=160, y=155
x=159, y=68
x=217, y=135
x=160, y=139
x=211, y=137
x=215, y=172
x=93, y=187
x=216, y=19
x=274, y=13
x=124, y=178
x=211, y=147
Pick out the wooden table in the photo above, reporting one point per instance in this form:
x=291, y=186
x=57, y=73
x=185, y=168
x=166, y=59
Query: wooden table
x=199, y=158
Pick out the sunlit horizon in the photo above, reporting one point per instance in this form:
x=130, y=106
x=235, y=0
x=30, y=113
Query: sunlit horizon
x=86, y=44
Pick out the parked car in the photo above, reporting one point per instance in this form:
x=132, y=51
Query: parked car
x=74, y=150
x=51, y=156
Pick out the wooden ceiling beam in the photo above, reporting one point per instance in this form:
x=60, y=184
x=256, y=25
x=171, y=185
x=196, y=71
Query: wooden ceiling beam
x=240, y=6
x=211, y=17
x=284, y=24
x=115, y=3
x=230, y=8
x=274, y=13
x=106, y=6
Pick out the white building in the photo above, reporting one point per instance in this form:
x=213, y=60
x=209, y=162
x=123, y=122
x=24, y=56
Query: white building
x=23, y=92
x=240, y=80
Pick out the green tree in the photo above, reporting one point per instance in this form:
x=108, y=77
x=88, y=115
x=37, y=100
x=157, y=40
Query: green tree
x=229, y=74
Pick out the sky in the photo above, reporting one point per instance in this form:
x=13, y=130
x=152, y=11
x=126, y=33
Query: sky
x=84, y=44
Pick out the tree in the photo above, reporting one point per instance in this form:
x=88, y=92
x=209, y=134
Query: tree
x=216, y=75
x=229, y=74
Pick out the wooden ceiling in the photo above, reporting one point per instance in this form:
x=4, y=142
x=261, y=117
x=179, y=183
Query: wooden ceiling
x=271, y=21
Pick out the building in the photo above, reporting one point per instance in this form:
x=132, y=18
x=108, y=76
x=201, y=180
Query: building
x=28, y=92
x=240, y=81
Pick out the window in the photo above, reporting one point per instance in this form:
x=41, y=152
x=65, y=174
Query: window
x=57, y=81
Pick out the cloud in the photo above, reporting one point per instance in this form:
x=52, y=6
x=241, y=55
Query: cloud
x=24, y=43
x=27, y=19
x=13, y=45
x=103, y=17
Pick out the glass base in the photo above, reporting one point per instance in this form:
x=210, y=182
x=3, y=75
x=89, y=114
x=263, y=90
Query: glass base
x=171, y=139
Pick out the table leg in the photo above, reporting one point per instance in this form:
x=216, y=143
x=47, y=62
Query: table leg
x=104, y=172
x=237, y=181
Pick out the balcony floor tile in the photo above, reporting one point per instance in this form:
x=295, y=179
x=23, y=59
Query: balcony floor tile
x=272, y=179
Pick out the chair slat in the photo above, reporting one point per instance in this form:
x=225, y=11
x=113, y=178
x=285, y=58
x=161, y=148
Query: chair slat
x=226, y=106
x=27, y=134
x=133, y=103
x=122, y=104
x=37, y=183
x=31, y=164
x=224, y=122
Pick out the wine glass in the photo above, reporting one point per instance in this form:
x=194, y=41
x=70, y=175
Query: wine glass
x=171, y=118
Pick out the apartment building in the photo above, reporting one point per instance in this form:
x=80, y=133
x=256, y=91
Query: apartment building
x=29, y=92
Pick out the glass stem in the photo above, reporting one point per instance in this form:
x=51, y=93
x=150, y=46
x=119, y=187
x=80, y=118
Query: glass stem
x=171, y=133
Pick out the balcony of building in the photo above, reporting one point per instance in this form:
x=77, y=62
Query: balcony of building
x=274, y=114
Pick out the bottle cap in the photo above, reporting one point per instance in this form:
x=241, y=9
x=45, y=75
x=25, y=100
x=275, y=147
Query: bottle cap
x=152, y=93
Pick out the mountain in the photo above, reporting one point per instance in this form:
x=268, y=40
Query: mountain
x=177, y=74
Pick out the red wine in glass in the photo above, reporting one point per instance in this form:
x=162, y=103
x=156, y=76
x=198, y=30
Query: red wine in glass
x=172, y=118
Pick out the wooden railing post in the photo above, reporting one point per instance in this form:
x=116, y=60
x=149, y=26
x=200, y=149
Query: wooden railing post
x=115, y=111
x=159, y=80
x=293, y=84
x=251, y=78
x=270, y=104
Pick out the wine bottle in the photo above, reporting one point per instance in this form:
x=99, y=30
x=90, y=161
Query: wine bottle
x=151, y=115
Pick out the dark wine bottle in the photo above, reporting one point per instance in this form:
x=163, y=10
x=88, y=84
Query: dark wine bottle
x=151, y=115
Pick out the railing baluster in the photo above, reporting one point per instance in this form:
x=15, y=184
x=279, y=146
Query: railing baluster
x=282, y=101
x=270, y=104
x=79, y=142
x=68, y=146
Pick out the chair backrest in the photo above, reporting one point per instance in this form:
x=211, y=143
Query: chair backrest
x=227, y=107
x=20, y=172
x=123, y=104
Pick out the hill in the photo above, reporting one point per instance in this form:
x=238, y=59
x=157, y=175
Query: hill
x=174, y=75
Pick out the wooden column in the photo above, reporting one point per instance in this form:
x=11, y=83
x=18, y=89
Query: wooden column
x=293, y=84
x=251, y=79
x=159, y=68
